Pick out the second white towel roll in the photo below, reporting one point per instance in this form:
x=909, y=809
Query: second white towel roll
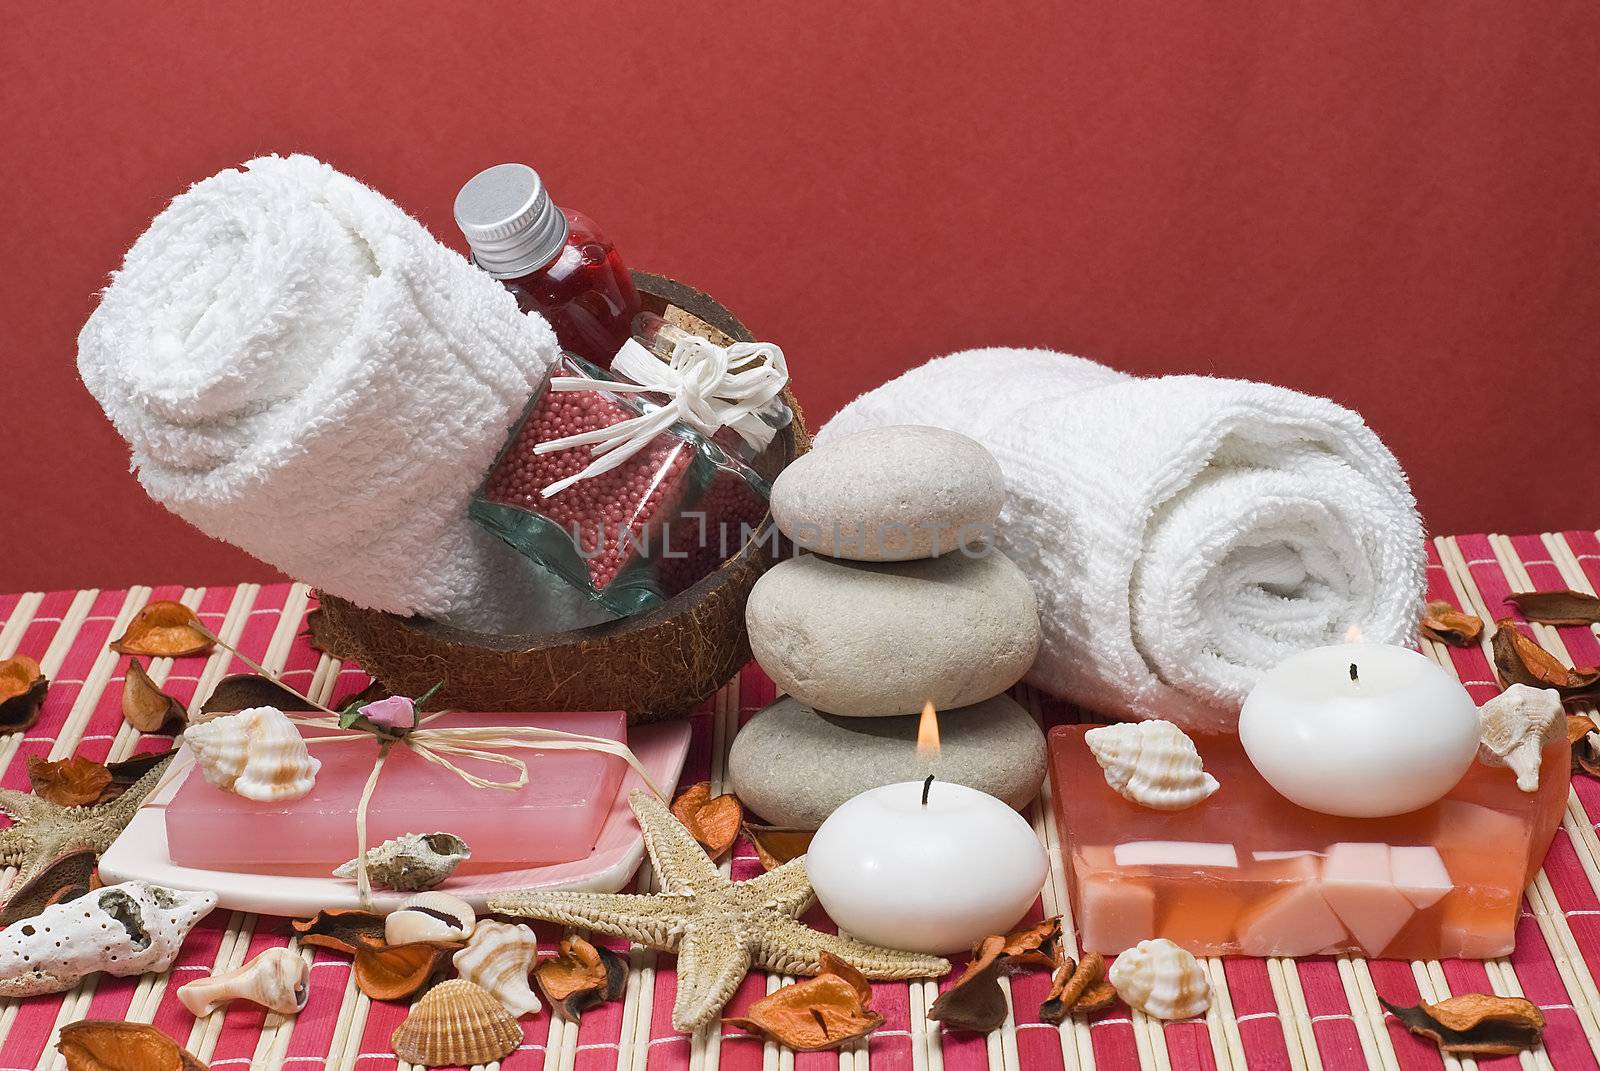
x=1183, y=533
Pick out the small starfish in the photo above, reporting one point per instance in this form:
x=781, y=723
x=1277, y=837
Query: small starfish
x=719, y=928
x=43, y=831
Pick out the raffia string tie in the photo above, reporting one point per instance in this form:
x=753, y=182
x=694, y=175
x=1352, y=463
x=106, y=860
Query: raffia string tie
x=707, y=387
x=442, y=747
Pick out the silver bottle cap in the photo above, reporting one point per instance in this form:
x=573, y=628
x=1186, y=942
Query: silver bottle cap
x=510, y=222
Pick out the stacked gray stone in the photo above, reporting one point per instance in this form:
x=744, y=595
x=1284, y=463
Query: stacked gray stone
x=901, y=601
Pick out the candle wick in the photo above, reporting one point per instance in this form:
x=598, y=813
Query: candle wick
x=925, y=786
x=1354, y=676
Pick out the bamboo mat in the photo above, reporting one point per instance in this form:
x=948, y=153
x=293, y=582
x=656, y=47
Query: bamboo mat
x=1312, y=1013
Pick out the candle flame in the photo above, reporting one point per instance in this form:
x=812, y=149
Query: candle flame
x=928, y=734
x=1352, y=634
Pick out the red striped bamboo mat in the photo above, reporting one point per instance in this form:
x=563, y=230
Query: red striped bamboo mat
x=1309, y=1013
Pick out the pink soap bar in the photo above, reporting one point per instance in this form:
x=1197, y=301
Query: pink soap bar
x=1247, y=872
x=554, y=818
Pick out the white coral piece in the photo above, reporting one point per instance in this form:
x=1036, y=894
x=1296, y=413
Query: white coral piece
x=257, y=753
x=500, y=958
x=127, y=929
x=1516, y=726
x=1152, y=763
x=1161, y=980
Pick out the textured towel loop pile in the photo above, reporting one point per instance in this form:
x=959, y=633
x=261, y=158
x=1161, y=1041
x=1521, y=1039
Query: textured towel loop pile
x=1183, y=533
x=302, y=370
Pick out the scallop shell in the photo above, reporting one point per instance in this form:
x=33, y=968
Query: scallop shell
x=456, y=1023
x=1515, y=727
x=411, y=862
x=1152, y=763
x=499, y=958
x=276, y=980
x=126, y=929
x=429, y=916
x=257, y=753
x=1162, y=980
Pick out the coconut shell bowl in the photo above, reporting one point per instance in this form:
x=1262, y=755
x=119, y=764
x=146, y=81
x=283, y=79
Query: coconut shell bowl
x=656, y=664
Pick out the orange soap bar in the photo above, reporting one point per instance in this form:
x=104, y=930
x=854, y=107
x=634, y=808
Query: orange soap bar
x=1246, y=872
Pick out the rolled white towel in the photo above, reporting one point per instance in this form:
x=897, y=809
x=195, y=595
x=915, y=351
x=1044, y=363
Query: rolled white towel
x=1183, y=534
x=302, y=370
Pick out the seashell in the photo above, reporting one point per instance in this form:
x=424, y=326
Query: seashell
x=499, y=958
x=429, y=916
x=411, y=862
x=257, y=753
x=1515, y=727
x=126, y=929
x=1152, y=763
x=276, y=980
x=456, y=1023
x=1162, y=980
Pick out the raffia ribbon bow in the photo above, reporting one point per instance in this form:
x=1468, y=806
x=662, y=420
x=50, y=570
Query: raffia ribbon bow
x=707, y=387
x=442, y=747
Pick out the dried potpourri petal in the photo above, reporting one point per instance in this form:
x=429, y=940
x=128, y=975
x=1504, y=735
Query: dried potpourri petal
x=1035, y=946
x=164, y=629
x=118, y=1045
x=70, y=782
x=1443, y=622
x=776, y=845
x=975, y=1002
x=67, y=878
x=1078, y=988
x=832, y=964
x=581, y=976
x=341, y=929
x=1557, y=607
x=819, y=1013
x=398, y=972
x=144, y=705
x=1584, y=759
x=1480, y=1024
x=1522, y=661
x=125, y=773
x=713, y=821
x=23, y=687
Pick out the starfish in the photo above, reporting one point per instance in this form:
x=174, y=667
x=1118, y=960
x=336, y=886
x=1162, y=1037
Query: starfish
x=719, y=928
x=43, y=831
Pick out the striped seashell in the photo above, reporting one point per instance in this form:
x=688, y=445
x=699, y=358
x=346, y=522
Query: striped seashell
x=1152, y=763
x=1161, y=980
x=499, y=958
x=257, y=753
x=456, y=1023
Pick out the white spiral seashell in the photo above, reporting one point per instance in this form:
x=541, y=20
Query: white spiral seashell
x=429, y=916
x=1152, y=763
x=500, y=958
x=1161, y=980
x=276, y=980
x=1515, y=727
x=257, y=753
x=411, y=862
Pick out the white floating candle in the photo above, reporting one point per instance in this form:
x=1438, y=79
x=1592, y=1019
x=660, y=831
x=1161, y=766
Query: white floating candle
x=1360, y=730
x=926, y=872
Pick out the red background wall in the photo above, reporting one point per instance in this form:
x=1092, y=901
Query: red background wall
x=1396, y=205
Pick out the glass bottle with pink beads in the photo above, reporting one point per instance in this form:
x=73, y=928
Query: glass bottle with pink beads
x=617, y=481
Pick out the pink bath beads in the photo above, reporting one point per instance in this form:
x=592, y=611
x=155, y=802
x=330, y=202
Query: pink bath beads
x=620, y=534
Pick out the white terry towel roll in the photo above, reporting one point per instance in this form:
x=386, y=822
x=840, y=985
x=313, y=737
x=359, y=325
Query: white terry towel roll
x=1183, y=533
x=302, y=370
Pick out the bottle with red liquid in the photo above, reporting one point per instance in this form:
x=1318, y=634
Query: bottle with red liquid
x=554, y=260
